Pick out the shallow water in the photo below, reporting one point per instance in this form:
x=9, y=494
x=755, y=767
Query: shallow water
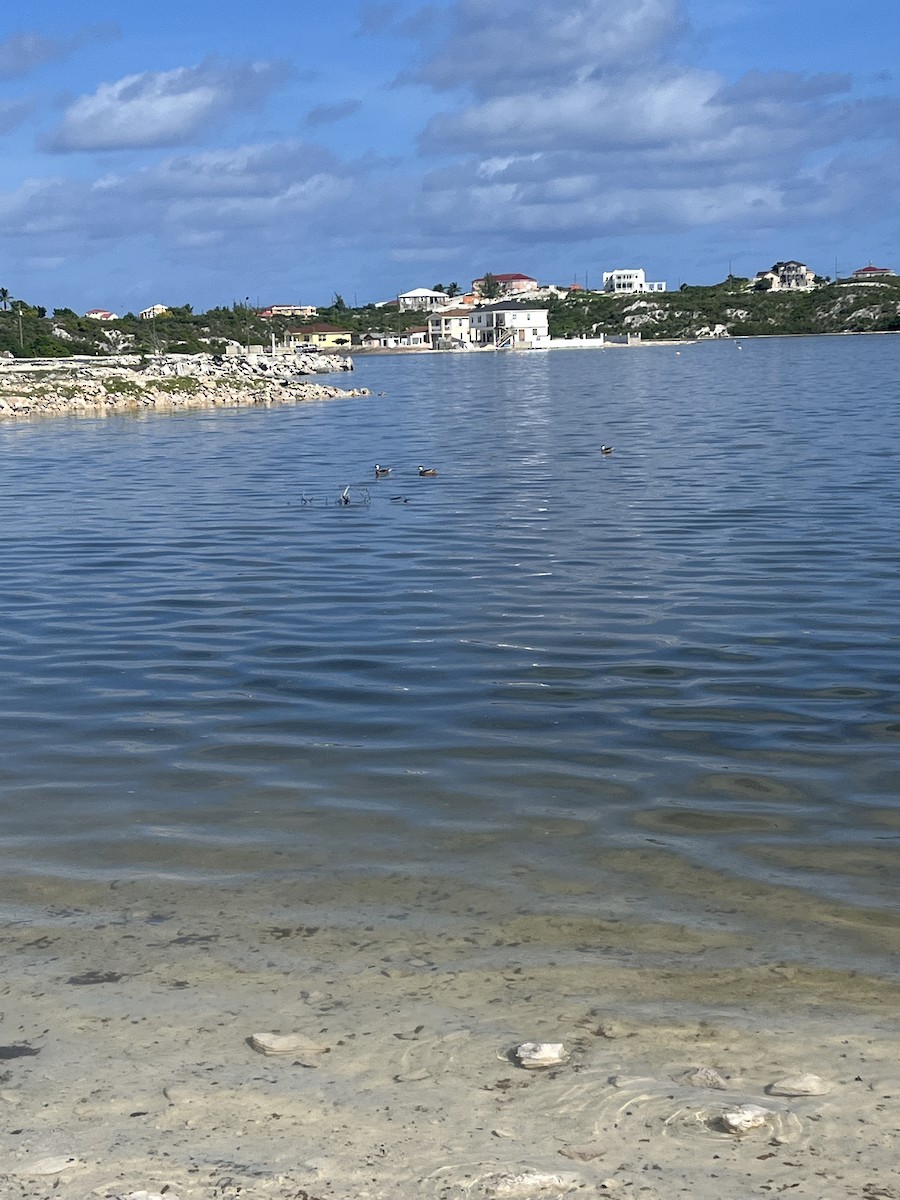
x=661, y=683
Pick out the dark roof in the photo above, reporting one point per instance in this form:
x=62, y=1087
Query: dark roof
x=507, y=305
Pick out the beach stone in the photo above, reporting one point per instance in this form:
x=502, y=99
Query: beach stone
x=534, y=1183
x=800, y=1085
x=53, y=1164
x=586, y=1152
x=537, y=1056
x=706, y=1077
x=745, y=1118
x=286, y=1043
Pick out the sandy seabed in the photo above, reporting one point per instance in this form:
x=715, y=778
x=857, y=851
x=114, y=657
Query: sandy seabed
x=127, y=1068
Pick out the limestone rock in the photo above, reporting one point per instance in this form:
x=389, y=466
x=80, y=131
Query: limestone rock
x=800, y=1085
x=537, y=1056
x=286, y=1043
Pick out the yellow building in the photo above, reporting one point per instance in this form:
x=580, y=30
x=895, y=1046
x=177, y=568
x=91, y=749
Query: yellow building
x=323, y=337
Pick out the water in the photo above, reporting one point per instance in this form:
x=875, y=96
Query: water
x=663, y=682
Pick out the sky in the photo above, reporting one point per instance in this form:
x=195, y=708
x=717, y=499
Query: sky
x=205, y=153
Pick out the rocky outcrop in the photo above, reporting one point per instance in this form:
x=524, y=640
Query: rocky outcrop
x=50, y=387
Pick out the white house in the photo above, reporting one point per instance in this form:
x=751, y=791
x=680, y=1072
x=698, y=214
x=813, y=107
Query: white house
x=289, y=310
x=510, y=325
x=101, y=314
x=791, y=276
x=872, y=274
x=155, y=310
x=623, y=282
x=423, y=299
x=450, y=329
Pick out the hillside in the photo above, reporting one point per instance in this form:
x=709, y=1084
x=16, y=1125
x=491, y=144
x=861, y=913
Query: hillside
x=698, y=311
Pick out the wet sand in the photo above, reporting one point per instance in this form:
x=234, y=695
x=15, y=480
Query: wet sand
x=128, y=1006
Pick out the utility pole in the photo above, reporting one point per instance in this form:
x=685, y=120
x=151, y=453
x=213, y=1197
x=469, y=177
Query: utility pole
x=19, y=315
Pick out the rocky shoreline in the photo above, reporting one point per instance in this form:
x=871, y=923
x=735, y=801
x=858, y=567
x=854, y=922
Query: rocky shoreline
x=171, y=383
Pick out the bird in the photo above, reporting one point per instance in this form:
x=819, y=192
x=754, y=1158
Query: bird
x=345, y=495
x=606, y=449
x=430, y=471
x=381, y=472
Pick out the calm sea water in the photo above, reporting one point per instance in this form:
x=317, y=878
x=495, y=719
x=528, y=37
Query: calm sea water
x=544, y=659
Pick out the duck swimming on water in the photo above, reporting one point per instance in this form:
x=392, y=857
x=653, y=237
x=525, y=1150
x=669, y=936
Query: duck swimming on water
x=381, y=472
x=606, y=449
x=430, y=471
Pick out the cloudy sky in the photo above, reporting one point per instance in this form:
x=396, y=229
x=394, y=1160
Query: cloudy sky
x=199, y=152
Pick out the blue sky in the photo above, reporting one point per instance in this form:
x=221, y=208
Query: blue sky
x=201, y=152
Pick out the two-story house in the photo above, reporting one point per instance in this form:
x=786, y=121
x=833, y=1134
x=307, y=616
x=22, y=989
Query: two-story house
x=790, y=276
x=510, y=325
x=450, y=329
x=624, y=282
x=507, y=285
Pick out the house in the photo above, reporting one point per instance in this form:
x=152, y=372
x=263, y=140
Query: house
x=288, y=310
x=869, y=274
x=376, y=339
x=155, y=310
x=323, y=337
x=623, y=282
x=450, y=330
x=791, y=276
x=509, y=285
x=101, y=314
x=415, y=336
x=510, y=325
x=423, y=300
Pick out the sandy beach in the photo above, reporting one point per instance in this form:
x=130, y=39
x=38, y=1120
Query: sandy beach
x=128, y=1010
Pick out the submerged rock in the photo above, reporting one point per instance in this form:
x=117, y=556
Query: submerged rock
x=536, y=1056
x=745, y=1118
x=286, y=1043
x=800, y=1085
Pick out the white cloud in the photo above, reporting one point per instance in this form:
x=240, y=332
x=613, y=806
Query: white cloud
x=522, y=44
x=164, y=108
x=577, y=119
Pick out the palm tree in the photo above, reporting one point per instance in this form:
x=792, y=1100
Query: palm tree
x=5, y=298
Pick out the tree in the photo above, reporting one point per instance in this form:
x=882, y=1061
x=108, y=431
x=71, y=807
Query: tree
x=490, y=288
x=439, y=287
x=338, y=303
x=5, y=298
x=453, y=289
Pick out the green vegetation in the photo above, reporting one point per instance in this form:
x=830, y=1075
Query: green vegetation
x=26, y=331
x=693, y=311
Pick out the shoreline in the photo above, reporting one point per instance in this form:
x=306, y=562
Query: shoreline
x=130, y=1010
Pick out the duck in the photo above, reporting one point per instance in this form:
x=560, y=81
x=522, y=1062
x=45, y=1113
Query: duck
x=606, y=449
x=381, y=472
x=429, y=471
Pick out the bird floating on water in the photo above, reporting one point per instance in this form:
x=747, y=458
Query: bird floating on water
x=606, y=449
x=430, y=471
x=381, y=472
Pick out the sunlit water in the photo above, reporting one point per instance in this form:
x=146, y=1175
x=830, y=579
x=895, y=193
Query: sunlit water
x=683, y=655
